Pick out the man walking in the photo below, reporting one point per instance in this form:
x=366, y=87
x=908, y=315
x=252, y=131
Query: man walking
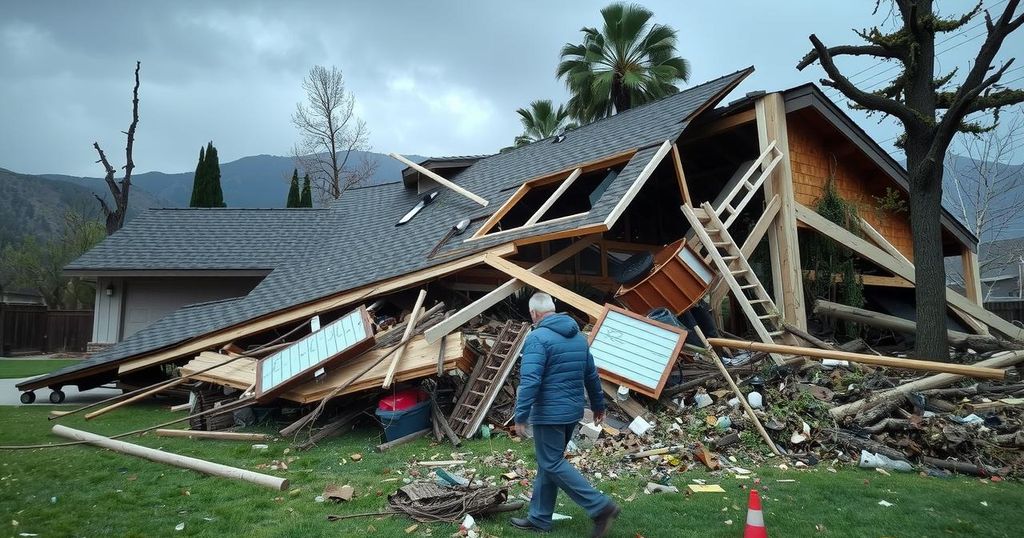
x=556, y=369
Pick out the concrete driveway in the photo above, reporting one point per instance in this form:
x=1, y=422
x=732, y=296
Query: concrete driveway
x=10, y=395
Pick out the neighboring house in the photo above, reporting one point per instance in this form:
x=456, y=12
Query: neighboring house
x=618, y=183
x=168, y=258
x=21, y=296
x=1001, y=266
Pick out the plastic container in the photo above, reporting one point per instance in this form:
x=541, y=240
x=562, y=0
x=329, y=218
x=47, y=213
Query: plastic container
x=401, y=400
x=401, y=423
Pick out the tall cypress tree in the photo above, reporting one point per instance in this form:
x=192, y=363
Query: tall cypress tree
x=215, y=194
x=293, y=190
x=198, y=180
x=307, y=195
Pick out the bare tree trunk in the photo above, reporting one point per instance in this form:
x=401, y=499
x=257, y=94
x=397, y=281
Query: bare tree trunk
x=930, y=271
x=119, y=189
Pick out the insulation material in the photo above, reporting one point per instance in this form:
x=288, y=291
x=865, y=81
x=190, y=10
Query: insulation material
x=635, y=351
x=346, y=337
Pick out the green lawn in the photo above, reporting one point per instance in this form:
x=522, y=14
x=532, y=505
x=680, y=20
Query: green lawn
x=18, y=368
x=85, y=491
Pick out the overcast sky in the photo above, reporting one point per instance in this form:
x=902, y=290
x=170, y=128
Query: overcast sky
x=430, y=78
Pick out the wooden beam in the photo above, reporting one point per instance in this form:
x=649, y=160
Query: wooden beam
x=176, y=460
x=439, y=179
x=903, y=270
x=384, y=447
x=880, y=240
x=202, y=434
x=972, y=275
x=759, y=230
x=562, y=234
x=719, y=125
x=133, y=399
x=868, y=280
x=332, y=302
x=499, y=294
x=891, y=362
x=562, y=187
x=569, y=297
x=684, y=190
x=638, y=183
x=784, y=244
x=413, y=317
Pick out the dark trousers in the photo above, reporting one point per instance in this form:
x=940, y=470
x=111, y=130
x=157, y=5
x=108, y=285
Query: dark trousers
x=554, y=473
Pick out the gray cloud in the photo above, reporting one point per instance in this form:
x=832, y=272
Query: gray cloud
x=433, y=78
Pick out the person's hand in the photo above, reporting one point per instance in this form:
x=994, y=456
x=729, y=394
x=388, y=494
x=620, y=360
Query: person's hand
x=521, y=430
x=598, y=417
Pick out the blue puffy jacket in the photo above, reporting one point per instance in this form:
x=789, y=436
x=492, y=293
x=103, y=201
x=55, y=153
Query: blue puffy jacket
x=556, y=367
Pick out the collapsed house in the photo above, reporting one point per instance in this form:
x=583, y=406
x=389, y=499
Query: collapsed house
x=657, y=207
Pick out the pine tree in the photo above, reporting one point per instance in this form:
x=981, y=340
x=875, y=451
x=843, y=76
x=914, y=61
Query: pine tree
x=307, y=194
x=215, y=194
x=198, y=180
x=293, y=190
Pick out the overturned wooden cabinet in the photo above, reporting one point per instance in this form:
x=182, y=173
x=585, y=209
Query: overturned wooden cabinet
x=678, y=279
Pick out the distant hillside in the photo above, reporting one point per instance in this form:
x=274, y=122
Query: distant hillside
x=35, y=205
x=256, y=181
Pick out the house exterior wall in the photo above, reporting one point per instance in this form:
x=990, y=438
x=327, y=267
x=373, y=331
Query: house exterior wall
x=811, y=157
x=135, y=302
x=149, y=299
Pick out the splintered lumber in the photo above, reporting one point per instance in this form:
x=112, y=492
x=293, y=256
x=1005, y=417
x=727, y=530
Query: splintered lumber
x=1002, y=360
x=440, y=179
x=499, y=294
x=565, y=295
x=420, y=361
x=957, y=339
x=413, y=316
x=384, y=447
x=441, y=422
x=739, y=394
x=892, y=362
x=137, y=397
x=176, y=460
x=202, y=434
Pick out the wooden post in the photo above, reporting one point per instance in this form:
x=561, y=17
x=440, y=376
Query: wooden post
x=972, y=276
x=739, y=394
x=137, y=397
x=176, y=460
x=202, y=434
x=787, y=280
x=390, y=376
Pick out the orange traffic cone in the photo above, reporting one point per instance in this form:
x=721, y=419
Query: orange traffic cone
x=755, y=519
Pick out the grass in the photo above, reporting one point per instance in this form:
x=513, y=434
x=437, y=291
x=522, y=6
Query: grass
x=82, y=490
x=16, y=369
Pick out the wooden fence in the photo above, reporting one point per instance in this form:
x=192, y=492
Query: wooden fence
x=34, y=329
x=1012, y=311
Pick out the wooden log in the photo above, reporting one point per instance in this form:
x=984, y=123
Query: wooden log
x=892, y=362
x=938, y=381
x=137, y=397
x=957, y=339
x=201, y=434
x=384, y=447
x=844, y=437
x=739, y=394
x=959, y=466
x=176, y=460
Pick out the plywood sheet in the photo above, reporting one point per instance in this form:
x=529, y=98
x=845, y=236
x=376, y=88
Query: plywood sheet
x=634, y=351
x=344, y=338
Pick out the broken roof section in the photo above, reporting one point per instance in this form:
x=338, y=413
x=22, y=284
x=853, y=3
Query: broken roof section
x=354, y=243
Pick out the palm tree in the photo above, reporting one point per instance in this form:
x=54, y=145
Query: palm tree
x=541, y=121
x=628, y=63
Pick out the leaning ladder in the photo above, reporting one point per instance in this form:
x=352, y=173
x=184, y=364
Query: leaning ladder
x=747, y=187
x=487, y=378
x=736, y=272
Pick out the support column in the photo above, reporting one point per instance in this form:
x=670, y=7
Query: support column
x=787, y=280
x=972, y=275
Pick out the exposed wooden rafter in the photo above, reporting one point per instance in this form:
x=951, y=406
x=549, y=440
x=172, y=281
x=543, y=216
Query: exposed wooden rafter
x=438, y=178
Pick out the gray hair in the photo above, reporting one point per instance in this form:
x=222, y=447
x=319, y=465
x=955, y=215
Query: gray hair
x=541, y=303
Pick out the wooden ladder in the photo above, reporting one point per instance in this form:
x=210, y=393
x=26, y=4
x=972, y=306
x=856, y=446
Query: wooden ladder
x=723, y=253
x=487, y=377
x=747, y=187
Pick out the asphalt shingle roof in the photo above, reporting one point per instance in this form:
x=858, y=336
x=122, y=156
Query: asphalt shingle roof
x=359, y=244
x=202, y=239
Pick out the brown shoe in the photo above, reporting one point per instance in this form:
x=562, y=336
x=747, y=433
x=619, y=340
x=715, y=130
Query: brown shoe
x=603, y=521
